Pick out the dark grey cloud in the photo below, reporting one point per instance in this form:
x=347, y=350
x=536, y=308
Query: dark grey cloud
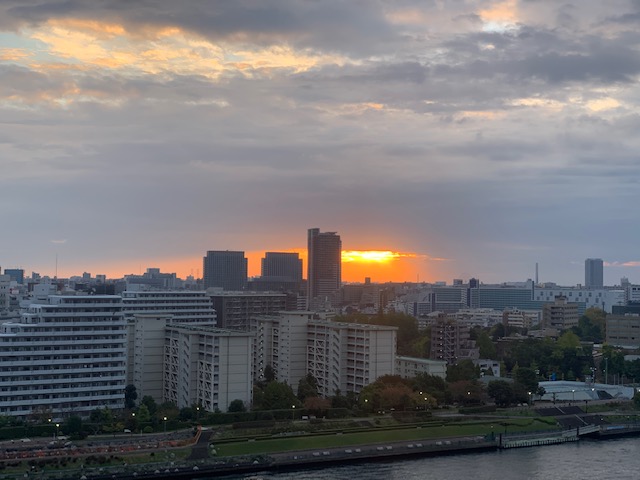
x=479, y=146
x=331, y=25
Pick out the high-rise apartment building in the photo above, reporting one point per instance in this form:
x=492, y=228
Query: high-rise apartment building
x=185, y=306
x=235, y=310
x=593, y=273
x=324, y=267
x=341, y=356
x=67, y=356
x=225, y=269
x=207, y=366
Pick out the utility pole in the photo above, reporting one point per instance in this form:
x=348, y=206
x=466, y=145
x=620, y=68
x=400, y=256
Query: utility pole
x=606, y=370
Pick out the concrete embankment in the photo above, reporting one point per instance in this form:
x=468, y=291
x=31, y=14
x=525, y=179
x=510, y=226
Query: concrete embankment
x=314, y=459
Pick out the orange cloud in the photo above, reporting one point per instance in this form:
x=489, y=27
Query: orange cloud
x=505, y=11
x=14, y=54
x=632, y=263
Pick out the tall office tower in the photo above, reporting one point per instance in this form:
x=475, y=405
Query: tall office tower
x=286, y=266
x=225, y=269
x=593, y=273
x=324, y=267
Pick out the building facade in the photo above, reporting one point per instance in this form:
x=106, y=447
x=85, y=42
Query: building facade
x=225, y=269
x=66, y=356
x=282, y=265
x=623, y=330
x=235, y=310
x=450, y=341
x=184, y=306
x=341, y=356
x=207, y=366
x=593, y=273
x=560, y=314
x=410, y=367
x=324, y=268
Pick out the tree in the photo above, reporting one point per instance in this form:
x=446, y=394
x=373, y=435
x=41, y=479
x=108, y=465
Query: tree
x=317, y=404
x=278, y=395
x=486, y=346
x=269, y=374
x=434, y=386
x=527, y=378
x=150, y=403
x=143, y=415
x=130, y=396
x=237, y=406
x=73, y=425
x=307, y=387
x=463, y=370
x=501, y=391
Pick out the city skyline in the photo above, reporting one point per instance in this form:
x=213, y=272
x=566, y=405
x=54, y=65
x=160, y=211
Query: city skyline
x=475, y=139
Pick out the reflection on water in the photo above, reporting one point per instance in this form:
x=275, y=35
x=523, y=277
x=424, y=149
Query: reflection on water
x=616, y=459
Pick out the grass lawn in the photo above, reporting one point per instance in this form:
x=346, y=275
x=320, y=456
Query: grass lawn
x=312, y=442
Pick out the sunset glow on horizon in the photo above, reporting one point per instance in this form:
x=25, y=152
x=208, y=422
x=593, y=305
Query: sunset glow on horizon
x=378, y=265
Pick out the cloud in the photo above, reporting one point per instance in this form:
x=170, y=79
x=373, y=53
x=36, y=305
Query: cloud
x=405, y=124
x=632, y=263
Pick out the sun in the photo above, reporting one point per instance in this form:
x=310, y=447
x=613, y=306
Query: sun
x=369, y=256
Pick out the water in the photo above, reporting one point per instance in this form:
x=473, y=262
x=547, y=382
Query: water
x=616, y=459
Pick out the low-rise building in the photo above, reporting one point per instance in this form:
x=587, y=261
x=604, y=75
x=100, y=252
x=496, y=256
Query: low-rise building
x=623, y=330
x=410, y=367
x=560, y=314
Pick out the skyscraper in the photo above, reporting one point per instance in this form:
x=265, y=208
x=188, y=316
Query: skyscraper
x=285, y=266
x=593, y=273
x=324, y=267
x=225, y=269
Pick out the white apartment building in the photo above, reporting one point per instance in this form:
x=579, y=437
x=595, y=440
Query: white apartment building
x=207, y=366
x=601, y=298
x=185, y=306
x=344, y=356
x=146, y=354
x=64, y=357
x=477, y=317
x=410, y=367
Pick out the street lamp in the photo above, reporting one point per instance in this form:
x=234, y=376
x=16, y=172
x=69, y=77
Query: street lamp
x=573, y=393
x=293, y=412
x=529, y=398
x=57, y=427
x=165, y=424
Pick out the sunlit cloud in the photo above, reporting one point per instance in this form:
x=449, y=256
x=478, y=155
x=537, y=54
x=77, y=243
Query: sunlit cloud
x=374, y=256
x=110, y=46
x=631, y=263
x=500, y=16
x=13, y=54
x=602, y=104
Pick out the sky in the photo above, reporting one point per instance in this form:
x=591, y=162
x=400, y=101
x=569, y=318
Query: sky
x=470, y=138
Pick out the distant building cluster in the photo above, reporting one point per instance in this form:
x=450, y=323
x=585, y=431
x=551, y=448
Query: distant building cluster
x=69, y=346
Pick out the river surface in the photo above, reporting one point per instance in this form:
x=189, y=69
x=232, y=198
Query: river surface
x=605, y=459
